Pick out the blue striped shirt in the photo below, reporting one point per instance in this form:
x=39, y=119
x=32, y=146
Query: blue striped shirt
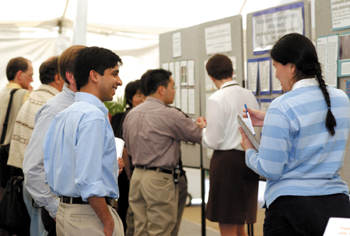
x=297, y=154
x=79, y=151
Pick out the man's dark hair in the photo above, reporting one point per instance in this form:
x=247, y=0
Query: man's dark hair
x=143, y=82
x=155, y=79
x=93, y=58
x=219, y=67
x=14, y=65
x=131, y=89
x=48, y=70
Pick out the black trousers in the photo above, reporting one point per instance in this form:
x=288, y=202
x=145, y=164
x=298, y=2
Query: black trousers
x=304, y=215
x=49, y=223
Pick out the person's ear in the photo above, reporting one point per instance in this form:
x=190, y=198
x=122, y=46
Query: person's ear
x=93, y=76
x=70, y=77
x=161, y=90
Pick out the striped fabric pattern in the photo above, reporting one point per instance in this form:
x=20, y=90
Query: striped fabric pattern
x=297, y=154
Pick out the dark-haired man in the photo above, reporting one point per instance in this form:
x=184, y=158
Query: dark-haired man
x=79, y=150
x=22, y=131
x=152, y=133
x=33, y=166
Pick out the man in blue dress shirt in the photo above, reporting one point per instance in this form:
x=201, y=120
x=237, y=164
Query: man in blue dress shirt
x=79, y=150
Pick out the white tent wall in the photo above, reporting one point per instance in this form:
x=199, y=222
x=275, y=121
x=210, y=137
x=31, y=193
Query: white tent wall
x=138, y=53
x=36, y=50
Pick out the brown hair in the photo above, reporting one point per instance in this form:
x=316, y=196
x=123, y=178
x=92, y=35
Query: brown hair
x=66, y=61
x=219, y=67
x=14, y=65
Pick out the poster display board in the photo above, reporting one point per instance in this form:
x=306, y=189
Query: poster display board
x=271, y=24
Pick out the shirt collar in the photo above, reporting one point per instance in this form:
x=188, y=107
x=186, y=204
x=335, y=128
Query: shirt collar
x=68, y=91
x=13, y=86
x=305, y=83
x=92, y=99
x=228, y=83
x=152, y=99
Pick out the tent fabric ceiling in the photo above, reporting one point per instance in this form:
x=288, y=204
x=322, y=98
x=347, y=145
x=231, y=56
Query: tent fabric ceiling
x=133, y=16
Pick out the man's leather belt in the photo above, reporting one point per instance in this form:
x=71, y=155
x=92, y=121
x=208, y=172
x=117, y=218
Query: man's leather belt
x=78, y=200
x=159, y=169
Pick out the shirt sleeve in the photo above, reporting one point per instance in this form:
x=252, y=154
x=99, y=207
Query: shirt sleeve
x=214, y=133
x=33, y=166
x=185, y=129
x=88, y=159
x=275, y=147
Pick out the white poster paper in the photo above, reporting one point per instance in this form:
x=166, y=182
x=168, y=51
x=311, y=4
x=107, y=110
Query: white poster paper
x=340, y=14
x=345, y=68
x=252, y=76
x=184, y=100
x=176, y=44
x=218, y=39
x=264, y=75
x=267, y=28
x=337, y=226
x=177, y=84
x=327, y=52
x=321, y=46
x=191, y=102
x=190, y=72
x=332, y=56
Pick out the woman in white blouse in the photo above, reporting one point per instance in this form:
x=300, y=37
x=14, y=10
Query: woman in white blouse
x=233, y=186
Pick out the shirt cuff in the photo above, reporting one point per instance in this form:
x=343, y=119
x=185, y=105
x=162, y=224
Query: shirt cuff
x=52, y=207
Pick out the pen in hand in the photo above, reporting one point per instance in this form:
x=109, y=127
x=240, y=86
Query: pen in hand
x=249, y=120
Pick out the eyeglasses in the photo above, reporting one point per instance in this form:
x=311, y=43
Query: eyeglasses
x=31, y=75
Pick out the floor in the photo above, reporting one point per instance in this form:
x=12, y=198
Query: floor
x=191, y=220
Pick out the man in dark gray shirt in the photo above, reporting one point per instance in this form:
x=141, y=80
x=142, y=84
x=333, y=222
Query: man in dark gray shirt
x=152, y=133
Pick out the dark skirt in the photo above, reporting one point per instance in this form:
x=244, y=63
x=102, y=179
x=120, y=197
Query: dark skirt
x=233, y=193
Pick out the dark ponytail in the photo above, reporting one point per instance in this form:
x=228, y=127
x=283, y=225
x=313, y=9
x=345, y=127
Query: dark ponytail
x=297, y=49
x=330, y=120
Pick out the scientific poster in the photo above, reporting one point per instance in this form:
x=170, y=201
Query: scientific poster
x=176, y=44
x=272, y=24
x=190, y=72
x=177, y=84
x=327, y=51
x=264, y=76
x=218, y=39
x=252, y=79
x=184, y=100
x=191, y=101
x=340, y=11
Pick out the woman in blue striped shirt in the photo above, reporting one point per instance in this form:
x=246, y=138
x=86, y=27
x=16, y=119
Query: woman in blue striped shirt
x=303, y=144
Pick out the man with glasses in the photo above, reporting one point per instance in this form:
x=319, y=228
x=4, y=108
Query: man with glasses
x=19, y=72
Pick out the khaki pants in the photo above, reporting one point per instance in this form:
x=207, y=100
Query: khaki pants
x=182, y=188
x=153, y=198
x=81, y=219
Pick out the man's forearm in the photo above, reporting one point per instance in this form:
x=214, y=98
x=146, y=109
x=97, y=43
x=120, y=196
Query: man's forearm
x=99, y=205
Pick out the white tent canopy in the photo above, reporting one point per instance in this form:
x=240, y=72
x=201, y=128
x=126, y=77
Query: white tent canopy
x=39, y=29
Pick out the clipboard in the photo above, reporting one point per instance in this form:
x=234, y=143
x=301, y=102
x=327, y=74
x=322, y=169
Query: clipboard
x=250, y=135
